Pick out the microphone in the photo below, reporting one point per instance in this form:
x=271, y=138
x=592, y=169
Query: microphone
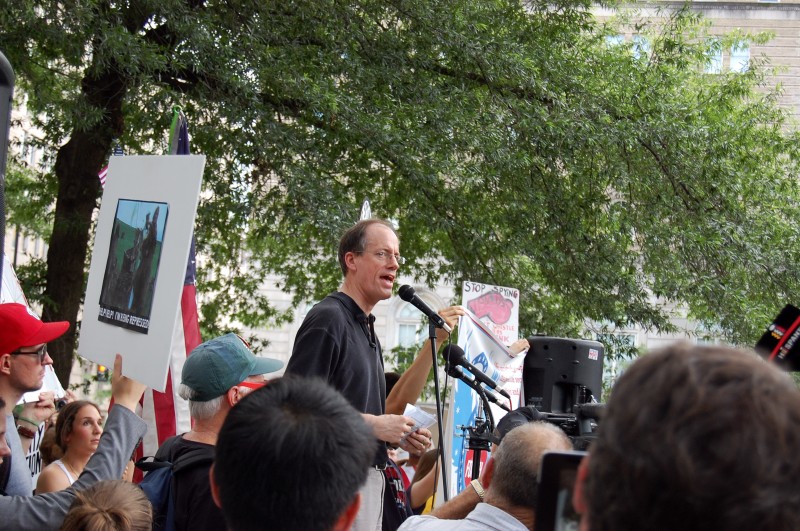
x=454, y=355
x=457, y=372
x=406, y=293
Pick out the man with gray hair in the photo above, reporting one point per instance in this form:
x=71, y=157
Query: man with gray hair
x=510, y=480
x=216, y=376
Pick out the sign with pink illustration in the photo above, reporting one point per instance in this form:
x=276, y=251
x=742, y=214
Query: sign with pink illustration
x=496, y=307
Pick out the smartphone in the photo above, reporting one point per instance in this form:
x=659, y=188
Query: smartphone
x=557, y=473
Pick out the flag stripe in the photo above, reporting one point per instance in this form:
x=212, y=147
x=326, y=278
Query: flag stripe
x=166, y=413
x=103, y=175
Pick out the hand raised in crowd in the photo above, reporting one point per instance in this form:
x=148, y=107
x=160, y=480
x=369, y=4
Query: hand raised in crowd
x=69, y=396
x=518, y=346
x=416, y=442
x=39, y=411
x=450, y=315
x=126, y=392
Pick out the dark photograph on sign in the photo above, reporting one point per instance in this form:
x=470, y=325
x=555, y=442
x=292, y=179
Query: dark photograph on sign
x=134, y=253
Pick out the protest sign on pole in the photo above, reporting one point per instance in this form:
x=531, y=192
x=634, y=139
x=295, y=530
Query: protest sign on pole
x=166, y=413
x=496, y=307
x=136, y=276
x=491, y=323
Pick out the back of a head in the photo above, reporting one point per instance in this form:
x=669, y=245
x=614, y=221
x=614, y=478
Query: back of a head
x=213, y=368
x=113, y=505
x=517, y=459
x=697, y=438
x=292, y=455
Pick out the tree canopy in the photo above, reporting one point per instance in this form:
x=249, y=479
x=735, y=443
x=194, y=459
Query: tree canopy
x=509, y=140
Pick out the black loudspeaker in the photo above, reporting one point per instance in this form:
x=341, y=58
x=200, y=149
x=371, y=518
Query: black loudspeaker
x=559, y=373
x=6, y=95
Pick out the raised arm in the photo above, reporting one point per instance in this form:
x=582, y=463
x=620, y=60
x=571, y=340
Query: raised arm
x=409, y=387
x=122, y=432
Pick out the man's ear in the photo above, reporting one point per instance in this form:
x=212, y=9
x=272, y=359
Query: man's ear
x=214, y=487
x=579, y=501
x=233, y=395
x=350, y=260
x=487, y=473
x=5, y=364
x=348, y=516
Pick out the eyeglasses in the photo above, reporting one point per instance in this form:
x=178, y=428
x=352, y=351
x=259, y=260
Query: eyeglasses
x=384, y=256
x=42, y=353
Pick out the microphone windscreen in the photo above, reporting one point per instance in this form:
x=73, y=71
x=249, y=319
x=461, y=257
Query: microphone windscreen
x=453, y=354
x=518, y=417
x=406, y=292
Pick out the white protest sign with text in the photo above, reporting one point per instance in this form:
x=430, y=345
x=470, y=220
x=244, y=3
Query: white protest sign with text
x=496, y=307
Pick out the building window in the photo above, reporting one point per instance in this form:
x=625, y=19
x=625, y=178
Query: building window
x=713, y=57
x=614, y=40
x=706, y=336
x=740, y=57
x=619, y=354
x=409, y=326
x=641, y=47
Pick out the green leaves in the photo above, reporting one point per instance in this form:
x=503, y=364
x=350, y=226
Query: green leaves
x=513, y=145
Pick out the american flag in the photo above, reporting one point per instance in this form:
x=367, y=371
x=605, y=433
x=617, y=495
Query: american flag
x=166, y=413
x=117, y=151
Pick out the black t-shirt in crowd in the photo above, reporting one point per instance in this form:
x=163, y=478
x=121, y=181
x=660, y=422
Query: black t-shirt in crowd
x=195, y=509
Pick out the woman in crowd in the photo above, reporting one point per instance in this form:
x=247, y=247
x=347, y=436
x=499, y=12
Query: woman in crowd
x=78, y=431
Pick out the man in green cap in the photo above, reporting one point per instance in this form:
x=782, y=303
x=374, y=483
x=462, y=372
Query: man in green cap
x=216, y=376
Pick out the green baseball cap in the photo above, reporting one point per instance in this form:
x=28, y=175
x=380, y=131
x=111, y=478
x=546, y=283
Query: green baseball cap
x=217, y=365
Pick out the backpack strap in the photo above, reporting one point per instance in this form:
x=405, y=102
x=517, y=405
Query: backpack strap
x=182, y=463
x=193, y=459
x=150, y=463
x=162, y=459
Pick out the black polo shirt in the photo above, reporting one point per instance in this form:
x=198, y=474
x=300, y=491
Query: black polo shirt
x=337, y=343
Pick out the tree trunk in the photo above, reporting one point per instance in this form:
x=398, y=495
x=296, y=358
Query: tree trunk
x=77, y=165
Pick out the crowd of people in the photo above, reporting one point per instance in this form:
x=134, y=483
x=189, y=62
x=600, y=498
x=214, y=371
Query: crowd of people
x=692, y=437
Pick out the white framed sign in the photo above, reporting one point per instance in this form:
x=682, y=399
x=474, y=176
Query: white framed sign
x=141, y=248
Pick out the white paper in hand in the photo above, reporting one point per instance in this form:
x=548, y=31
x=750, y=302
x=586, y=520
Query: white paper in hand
x=421, y=418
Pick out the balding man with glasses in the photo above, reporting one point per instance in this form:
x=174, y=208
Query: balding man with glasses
x=337, y=343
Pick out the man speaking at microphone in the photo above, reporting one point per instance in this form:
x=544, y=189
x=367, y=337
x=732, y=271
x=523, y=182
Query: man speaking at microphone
x=337, y=342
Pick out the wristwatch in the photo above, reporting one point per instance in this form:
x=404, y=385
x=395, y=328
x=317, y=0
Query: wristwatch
x=478, y=488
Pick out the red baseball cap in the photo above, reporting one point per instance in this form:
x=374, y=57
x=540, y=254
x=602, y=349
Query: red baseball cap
x=19, y=327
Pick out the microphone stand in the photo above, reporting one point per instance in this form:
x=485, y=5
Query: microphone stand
x=439, y=415
x=478, y=436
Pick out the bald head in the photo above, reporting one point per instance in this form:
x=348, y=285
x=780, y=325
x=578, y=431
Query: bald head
x=517, y=459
